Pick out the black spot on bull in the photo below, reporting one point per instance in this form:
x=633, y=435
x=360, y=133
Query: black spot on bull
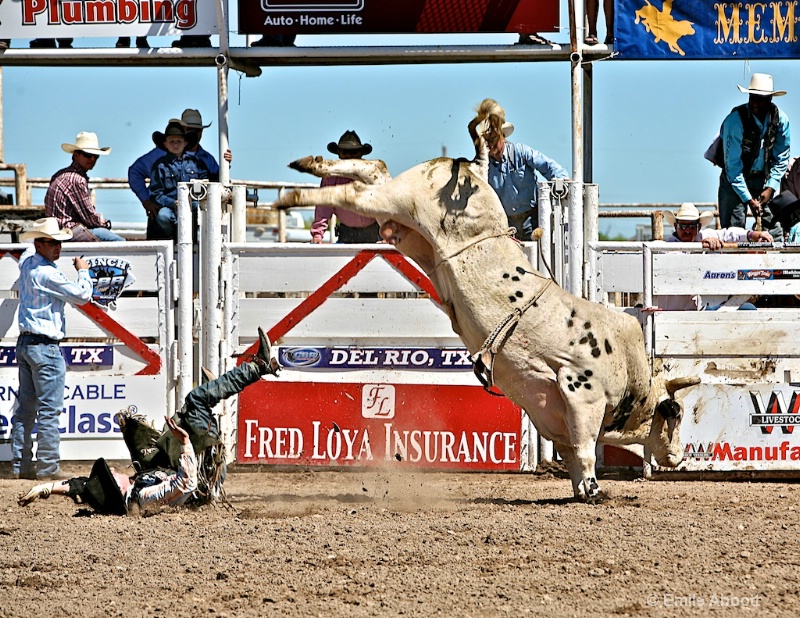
x=621, y=413
x=608, y=347
x=669, y=409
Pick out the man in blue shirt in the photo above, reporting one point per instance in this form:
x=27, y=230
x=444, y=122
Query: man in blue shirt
x=43, y=290
x=755, y=141
x=512, y=174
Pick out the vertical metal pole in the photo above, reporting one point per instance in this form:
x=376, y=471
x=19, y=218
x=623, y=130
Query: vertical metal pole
x=210, y=297
x=546, y=223
x=647, y=297
x=239, y=214
x=185, y=300
x=222, y=83
x=588, y=125
x=575, y=283
x=590, y=232
x=2, y=133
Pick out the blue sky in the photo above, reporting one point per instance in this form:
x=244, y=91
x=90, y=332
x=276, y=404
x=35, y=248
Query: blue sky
x=653, y=120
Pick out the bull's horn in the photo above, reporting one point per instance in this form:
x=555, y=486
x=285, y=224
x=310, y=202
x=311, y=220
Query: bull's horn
x=677, y=384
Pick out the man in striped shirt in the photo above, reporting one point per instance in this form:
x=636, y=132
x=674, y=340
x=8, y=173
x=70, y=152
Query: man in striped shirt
x=43, y=291
x=68, y=198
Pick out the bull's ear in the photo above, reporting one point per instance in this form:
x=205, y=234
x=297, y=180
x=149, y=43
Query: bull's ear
x=677, y=384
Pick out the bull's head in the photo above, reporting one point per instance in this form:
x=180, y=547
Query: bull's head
x=665, y=431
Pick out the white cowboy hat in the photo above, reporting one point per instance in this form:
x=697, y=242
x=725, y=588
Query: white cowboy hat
x=192, y=119
x=761, y=84
x=508, y=129
x=46, y=227
x=87, y=142
x=689, y=212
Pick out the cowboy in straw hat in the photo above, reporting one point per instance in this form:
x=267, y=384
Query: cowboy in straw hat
x=691, y=226
x=513, y=169
x=43, y=291
x=68, y=198
x=755, y=138
x=350, y=227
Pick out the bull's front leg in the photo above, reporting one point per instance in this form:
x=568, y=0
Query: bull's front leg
x=583, y=416
x=370, y=172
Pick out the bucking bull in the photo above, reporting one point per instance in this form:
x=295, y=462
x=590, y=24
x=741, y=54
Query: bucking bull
x=578, y=369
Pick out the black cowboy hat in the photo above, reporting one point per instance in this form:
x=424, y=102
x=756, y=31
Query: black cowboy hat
x=785, y=208
x=349, y=141
x=102, y=492
x=174, y=127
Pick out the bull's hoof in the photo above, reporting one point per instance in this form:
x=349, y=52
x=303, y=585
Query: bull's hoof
x=588, y=490
x=302, y=165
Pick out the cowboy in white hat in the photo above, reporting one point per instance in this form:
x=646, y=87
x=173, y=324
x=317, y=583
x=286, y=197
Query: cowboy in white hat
x=43, y=290
x=68, y=198
x=691, y=226
x=350, y=227
x=513, y=171
x=755, y=138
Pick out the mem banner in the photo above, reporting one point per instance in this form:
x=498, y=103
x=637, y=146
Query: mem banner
x=396, y=17
x=678, y=29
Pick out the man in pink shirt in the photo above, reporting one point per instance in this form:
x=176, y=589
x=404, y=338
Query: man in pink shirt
x=350, y=227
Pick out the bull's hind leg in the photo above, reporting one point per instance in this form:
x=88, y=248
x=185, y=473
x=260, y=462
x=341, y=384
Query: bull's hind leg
x=583, y=415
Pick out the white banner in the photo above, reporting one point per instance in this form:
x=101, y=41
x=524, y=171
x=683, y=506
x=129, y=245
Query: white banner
x=87, y=425
x=28, y=19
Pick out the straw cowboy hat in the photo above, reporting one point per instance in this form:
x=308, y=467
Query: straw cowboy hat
x=349, y=141
x=87, y=142
x=508, y=129
x=174, y=127
x=689, y=212
x=761, y=84
x=46, y=227
x=191, y=119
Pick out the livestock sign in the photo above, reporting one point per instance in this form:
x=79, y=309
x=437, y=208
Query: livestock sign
x=378, y=424
x=756, y=433
x=678, y=29
x=399, y=16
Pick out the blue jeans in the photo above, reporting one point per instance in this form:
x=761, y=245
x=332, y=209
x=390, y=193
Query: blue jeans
x=167, y=222
x=524, y=223
x=42, y=371
x=105, y=235
x=733, y=212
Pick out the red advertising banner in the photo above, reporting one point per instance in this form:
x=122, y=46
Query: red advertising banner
x=378, y=425
x=396, y=17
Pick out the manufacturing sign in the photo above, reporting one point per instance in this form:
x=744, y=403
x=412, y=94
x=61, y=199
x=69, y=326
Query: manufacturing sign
x=399, y=16
x=678, y=29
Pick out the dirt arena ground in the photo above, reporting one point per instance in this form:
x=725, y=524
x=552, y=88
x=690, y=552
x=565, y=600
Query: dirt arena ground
x=326, y=543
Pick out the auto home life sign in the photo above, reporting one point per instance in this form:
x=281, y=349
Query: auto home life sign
x=398, y=16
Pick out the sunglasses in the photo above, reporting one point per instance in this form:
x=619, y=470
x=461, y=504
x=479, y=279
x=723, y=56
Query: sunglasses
x=49, y=241
x=88, y=155
x=687, y=226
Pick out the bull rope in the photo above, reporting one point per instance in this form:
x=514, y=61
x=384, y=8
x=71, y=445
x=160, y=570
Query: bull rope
x=508, y=233
x=483, y=359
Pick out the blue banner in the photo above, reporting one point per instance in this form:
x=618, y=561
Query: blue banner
x=688, y=29
x=311, y=357
x=102, y=356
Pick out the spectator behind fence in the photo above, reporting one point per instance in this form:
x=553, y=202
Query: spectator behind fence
x=592, y=12
x=43, y=291
x=174, y=167
x=139, y=171
x=68, y=198
x=755, y=141
x=690, y=226
x=350, y=227
x=512, y=173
